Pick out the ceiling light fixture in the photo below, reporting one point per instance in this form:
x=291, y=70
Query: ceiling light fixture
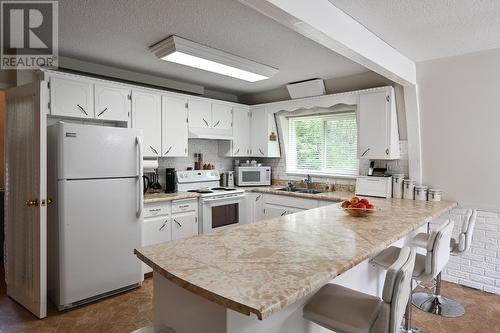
x=188, y=53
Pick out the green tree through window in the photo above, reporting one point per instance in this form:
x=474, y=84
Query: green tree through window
x=323, y=144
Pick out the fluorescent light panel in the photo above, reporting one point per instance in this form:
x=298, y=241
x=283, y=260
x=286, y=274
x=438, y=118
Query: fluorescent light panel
x=188, y=53
x=212, y=66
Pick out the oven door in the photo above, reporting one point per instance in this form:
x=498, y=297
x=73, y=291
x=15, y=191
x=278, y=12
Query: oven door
x=222, y=213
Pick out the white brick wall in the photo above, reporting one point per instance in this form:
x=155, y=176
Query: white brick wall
x=479, y=267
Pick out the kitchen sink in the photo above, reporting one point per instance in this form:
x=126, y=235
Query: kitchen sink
x=299, y=190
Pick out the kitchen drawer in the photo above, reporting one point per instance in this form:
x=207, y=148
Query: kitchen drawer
x=179, y=206
x=156, y=209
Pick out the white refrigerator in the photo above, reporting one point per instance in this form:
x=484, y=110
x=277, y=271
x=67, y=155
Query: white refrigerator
x=95, y=177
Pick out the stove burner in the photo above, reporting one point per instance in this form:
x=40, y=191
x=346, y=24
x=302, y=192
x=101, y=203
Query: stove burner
x=223, y=189
x=201, y=191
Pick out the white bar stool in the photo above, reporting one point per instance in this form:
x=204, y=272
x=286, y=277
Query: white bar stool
x=427, y=267
x=433, y=302
x=344, y=310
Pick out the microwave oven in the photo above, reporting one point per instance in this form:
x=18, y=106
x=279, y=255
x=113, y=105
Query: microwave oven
x=252, y=176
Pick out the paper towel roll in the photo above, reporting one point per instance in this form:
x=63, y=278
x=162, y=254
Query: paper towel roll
x=149, y=165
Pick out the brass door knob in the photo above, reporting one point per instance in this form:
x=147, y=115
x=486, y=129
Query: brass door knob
x=32, y=203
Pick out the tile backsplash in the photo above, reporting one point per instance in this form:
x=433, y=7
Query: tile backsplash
x=210, y=151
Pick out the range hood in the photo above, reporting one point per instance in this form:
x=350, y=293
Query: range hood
x=210, y=133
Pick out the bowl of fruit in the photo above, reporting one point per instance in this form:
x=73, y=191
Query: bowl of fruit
x=358, y=207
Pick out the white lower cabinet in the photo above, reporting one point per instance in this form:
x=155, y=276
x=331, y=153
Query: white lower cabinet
x=254, y=206
x=266, y=206
x=184, y=225
x=169, y=220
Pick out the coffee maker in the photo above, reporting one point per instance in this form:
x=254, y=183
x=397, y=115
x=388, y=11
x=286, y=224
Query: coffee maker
x=169, y=180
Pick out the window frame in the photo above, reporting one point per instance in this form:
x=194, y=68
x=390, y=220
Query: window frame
x=323, y=172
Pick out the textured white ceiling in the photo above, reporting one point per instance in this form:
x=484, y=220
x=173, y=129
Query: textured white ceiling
x=119, y=32
x=428, y=29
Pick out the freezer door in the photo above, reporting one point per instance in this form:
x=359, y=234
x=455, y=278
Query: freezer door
x=98, y=231
x=87, y=151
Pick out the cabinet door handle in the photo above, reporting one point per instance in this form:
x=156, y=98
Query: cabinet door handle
x=260, y=150
x=183, y=206
x=365, y=152
x=237, y=151
x=168, y=150
x=217, y=123
x=163, y=225
x=32, y=203
x=82, y=109
x=284, y=213
x=258, y=197
x=206, y=122
x=153, y=150
x=387, y=151
x=155, y=210
x=102, y=112
x=180, y=225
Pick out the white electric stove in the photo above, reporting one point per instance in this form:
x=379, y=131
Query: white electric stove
x=220, y=207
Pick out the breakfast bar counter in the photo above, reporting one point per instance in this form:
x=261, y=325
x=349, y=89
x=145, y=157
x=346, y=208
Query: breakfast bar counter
x=265, y=267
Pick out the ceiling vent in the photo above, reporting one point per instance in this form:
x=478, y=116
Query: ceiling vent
x=309, y=88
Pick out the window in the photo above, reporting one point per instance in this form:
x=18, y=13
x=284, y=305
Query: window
x=325, y=144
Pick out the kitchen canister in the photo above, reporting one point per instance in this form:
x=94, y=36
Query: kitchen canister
x=397, y=185
x=409, y=189
x=421, y=192
x=434, y=194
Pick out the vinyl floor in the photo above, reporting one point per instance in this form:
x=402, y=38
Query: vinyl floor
x=132, y=310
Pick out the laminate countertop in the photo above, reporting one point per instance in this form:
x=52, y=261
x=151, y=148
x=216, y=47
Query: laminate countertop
x=160, y=197
x=262, y=267
x=335, y=196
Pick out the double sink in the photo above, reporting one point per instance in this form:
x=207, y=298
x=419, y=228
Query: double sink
x=299, y=190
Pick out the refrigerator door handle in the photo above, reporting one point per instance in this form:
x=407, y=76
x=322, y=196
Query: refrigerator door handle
x=140, y=197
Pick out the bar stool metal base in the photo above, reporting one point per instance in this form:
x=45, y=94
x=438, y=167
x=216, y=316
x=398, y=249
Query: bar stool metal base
x=438, y=305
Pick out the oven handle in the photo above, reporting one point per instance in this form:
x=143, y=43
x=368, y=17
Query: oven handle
x=238, y=198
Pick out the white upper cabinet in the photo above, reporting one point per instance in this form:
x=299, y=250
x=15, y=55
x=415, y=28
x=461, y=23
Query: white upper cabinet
x=241, y=131
x=377, y=125
x=209, y=120
x=200, y=114
x=174, y=126
x=263, y=133
x=240, y=145
x=147, y=115
x=222, y=116
x=111, y=102
x=71, y=98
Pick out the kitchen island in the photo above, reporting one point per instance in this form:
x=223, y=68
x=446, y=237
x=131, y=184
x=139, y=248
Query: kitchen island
x=257, y=277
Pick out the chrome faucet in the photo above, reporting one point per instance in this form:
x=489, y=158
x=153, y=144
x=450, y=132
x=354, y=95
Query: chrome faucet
x=308, y=181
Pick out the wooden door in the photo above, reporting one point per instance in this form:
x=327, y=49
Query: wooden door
x=200, y=114
x=174, y=126
x=146, y=115
x=112, y=102
x=222, y=116
x=25, y=198
x=71, y=98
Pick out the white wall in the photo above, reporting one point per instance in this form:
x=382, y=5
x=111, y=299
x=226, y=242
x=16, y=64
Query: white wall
x=460, y=110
